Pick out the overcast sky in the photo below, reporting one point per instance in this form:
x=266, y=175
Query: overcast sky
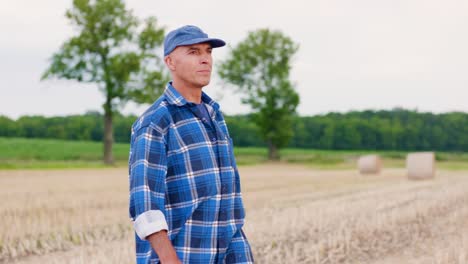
x=354, y=55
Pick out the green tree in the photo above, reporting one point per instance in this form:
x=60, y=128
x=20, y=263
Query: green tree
x=243, y=131
x=259, y=67
x=8, y=127
x=114, y=50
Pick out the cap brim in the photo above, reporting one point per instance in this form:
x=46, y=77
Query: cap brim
x=214, y=42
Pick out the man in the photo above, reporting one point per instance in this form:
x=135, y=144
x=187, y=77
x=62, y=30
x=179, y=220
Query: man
x=185, y=197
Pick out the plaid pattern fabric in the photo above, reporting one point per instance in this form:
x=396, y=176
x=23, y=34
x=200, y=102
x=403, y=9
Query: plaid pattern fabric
x=183, y=178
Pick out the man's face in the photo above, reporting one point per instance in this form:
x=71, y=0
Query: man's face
x=191, y=64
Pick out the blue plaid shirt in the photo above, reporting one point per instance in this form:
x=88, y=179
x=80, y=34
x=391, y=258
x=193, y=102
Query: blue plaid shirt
x=183, y=179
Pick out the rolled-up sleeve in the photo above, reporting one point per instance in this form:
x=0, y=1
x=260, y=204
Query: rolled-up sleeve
x=147, y=174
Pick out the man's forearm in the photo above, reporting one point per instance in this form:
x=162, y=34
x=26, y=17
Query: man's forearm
x=163, y=247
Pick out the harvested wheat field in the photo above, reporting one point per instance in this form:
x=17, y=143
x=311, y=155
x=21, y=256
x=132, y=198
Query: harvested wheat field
x=294, y=215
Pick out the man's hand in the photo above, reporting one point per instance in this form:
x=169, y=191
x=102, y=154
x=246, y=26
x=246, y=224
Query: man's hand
x=163, y=247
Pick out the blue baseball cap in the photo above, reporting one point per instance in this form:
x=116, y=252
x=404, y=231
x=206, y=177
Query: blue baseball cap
x=188, y=35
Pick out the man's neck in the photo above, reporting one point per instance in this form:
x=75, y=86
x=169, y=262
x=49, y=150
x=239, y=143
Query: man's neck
x=191, y=94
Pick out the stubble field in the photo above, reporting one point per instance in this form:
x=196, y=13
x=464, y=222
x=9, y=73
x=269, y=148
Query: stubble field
x=295, y=214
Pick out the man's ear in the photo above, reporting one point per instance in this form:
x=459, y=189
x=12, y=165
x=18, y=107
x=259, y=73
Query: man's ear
x=169, y=62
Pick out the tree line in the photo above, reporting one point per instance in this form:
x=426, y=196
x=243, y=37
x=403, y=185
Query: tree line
x=396, y=129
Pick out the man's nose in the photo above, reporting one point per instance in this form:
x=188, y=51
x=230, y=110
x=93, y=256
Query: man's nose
x=205, y=59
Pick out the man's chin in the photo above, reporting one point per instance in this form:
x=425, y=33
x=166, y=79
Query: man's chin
x=204, y=83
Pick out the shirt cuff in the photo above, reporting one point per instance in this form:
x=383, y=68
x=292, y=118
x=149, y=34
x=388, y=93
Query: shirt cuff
x=149, y=223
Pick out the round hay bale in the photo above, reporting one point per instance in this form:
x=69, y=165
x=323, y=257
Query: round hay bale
x=420, y=165
x=369, y=164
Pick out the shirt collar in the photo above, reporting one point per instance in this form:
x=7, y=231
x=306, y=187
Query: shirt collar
x=175, y=98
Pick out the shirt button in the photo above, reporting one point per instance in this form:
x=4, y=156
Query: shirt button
x=204, y=119
x=213, y=139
